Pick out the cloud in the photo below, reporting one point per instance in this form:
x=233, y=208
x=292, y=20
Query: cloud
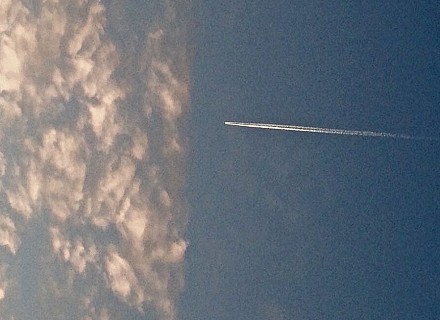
x=122, y=278
x=8, y=236
x=92, y=159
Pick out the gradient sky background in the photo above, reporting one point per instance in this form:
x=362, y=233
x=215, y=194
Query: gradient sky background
x=304, y=226
x=124, y=196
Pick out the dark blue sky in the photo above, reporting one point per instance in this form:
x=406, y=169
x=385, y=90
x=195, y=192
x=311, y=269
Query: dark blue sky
x=303, y=226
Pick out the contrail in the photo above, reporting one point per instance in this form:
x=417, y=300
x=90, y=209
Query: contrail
x=325, y=130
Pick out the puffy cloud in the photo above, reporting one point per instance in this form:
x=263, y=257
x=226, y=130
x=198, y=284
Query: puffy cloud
x=8, y=236
x=91, y=158
x=75, y=254
x=122, y=278
x=3, y=282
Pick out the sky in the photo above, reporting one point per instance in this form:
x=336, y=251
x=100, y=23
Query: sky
x=124, y=196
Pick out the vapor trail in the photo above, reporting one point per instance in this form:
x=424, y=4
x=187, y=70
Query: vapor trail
x=325, y=130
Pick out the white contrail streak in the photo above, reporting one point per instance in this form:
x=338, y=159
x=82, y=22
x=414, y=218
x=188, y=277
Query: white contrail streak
x=324, y=130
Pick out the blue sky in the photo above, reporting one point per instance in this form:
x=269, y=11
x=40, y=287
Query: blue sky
x=302, y=226
x=124, y=196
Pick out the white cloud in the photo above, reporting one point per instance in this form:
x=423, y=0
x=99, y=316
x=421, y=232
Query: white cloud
x=122, y=279
x=84, y=165
x=19, y=200
x=76, y=254
x=3, y=282
x=8, y=236
x=2, y=165
x=10, y=65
